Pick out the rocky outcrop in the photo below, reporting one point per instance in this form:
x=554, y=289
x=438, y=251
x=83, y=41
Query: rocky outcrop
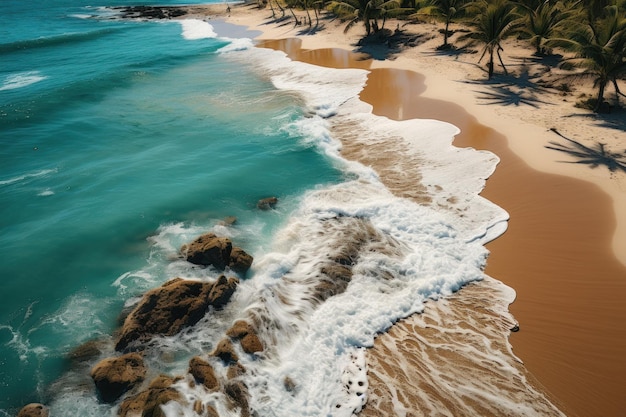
x=203, y=373
x=34, y=410
x=225, y=351
x=148, y=403
x=238, y=396
x=87, y=351
x=248, y=339
x=170, y=308
x=150, y=12
x=240, y=261
x=211, y=250
x=221, y=291
x=267, y=203
x=115, y=376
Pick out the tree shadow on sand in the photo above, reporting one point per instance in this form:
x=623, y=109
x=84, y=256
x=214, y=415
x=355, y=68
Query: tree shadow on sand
x=385, y=43
x=507, y=90
x=594, y=157
x=615, y=120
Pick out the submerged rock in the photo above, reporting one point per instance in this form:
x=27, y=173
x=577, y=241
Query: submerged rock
x=170, y=308
x=87, y=351
x=267, y=203
x=34, y=410
x=148, y=403
x=115, y=376
x=238, y=396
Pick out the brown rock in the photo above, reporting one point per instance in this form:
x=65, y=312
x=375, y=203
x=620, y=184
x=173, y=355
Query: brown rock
x=267, y=203
x=239, y=329
x=244, y=332
x=170, y=308
x=240, y=261
x=114, y=376
x=222, y=290
x=87, y=351
x=148, y=403
x=34, y=410
x=289, y=384
x=251, y=343
x=211, y=412
x=208, y=249
x=203, y=373
x=237, y=393
x=225, y=351
x=235, y=370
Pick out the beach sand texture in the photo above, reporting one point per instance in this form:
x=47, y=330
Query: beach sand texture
x=564, y=252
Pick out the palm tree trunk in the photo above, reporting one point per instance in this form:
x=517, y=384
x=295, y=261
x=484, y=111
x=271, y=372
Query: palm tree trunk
x=501, y=62
x=445, y=33
x=490, y=65
x=600, y=99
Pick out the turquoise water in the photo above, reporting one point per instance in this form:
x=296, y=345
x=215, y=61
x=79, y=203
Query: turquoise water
x=110, y=131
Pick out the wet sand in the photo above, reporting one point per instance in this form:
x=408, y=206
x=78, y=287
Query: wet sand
x=556, y=253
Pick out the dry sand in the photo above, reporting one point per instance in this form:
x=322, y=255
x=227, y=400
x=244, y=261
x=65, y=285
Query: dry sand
x=565, y=250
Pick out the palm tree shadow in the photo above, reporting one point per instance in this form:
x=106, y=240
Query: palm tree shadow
x=506, y=90
x=386, y=43
x=311, y=30
x=592, y=156
x=504, y=96
x=615, y=120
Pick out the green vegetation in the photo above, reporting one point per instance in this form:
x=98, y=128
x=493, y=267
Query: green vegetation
x=591, y=34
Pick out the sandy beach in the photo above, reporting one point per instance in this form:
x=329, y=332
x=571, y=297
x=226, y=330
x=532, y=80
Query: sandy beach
x=564, y=252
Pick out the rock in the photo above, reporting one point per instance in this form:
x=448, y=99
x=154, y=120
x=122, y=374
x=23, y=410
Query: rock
x=237, y=393
x=267, y=203
x=148, y=403
x=222, y=290
x=219, y=252
x=170, y=308
x=228, y=221
x=115, y=376
x=251, y=343
x=240, y=261
x=235, y=370
x=208, y=249
x=289, y=384
x=239, y=329
x=203, y=373
x=87, y=351
x=151, y=12
x=225, y=351
x=201, y=410
x=244, y=332
x=34, y=410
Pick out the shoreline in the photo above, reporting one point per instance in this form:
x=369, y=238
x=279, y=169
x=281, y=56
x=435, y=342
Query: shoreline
x=569, y=280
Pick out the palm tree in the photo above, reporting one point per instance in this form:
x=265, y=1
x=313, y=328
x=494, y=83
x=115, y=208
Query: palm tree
x=446, y=9
x=495, y=20
x=366, y=11
x=600, y=48
x=542, y=22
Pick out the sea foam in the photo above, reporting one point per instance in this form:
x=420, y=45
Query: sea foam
x=27, y=176
x=21, y=80
x=194, y=29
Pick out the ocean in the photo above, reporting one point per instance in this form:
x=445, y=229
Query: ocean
x=123, y=140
